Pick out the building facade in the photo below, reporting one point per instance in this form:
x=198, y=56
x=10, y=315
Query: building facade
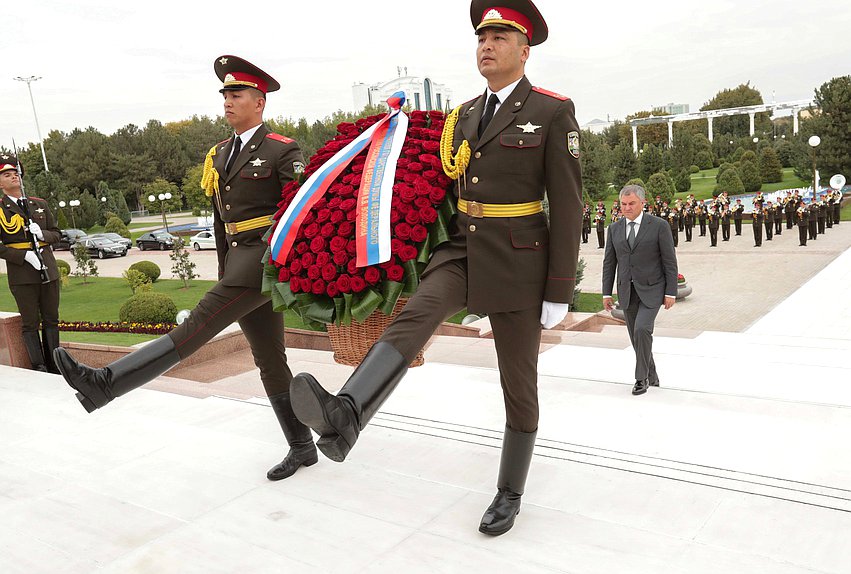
x=421, y=93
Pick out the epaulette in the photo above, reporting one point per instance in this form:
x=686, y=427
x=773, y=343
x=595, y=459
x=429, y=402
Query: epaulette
x=550, y=94
x=279, y=138
x=221, y=142
x=34, y=197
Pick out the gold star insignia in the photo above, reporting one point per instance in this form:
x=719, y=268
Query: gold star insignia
x=257, y=162
x=223, y=61
x=529, y=128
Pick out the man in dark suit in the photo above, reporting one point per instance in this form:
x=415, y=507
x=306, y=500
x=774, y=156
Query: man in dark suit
x=34, y=282
x=502, y=258
x=248, y=172
x=640, y=251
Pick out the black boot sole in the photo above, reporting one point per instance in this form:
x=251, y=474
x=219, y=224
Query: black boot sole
x=310, y=461
x=58, y=360
x=308, y=405
x=500, y=531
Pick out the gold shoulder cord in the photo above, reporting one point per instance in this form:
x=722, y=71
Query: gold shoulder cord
x=210, y=178
x=454, y=165
x=12, y=225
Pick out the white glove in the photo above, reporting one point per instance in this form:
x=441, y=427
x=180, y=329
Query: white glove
x=553, y=313
x=31, y=258
x=35, y=229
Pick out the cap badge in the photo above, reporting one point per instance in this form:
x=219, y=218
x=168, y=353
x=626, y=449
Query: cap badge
x=493, y=14
x=223, y=61
x=258, y=162
x=229, y=78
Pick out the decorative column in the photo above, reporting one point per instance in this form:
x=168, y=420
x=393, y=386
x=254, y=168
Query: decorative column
x=752, y=115
x=635, y=138
x=795, y=113
x=670, y=134
x=709, y=119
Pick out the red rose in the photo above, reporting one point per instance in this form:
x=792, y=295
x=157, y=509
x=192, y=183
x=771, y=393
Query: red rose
x=396, y=245
x=314, y=272
x=334, y=202
x=308, y=219
x=284, y=275
x=344, y=284
x=428, y=214
x=403, y=231
x=329, y=272
x=395, y=273
x=395, y=217
x=306, y=284
x=410, y=177
x=357, y=167
x=407, y=194
x=415, y=167
x=323, y=215
x=352, y=215
x=389, y=263
x=318, y=287
x=356, y=177
x=352, y=247
x=358, y=284
x=338, y=244
x=332, y=290
x=407, y=253
x=311, y=230
x=402, y=164
x=345, y=229
x=301, y=247
x=327, y=230
x=437, y=194
x=422, y=202
x=317, y=244
x=348, y=204
x=403, y=208
x=337, y=216
x=307, y=259
x=295, y=267
x=431, y=146
x=352, y=267
x=322, y=259
x=371, y=275
x=411, y=218
x=418, y=233
x=346, y=191
x=295, y=285
x=341, y=258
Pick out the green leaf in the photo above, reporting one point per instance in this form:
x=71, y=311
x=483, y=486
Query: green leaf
x=412, y=277
x=270, y=278
x=425, y=250
x=278, y=304
x=339, y=309
x=347, y=309
x=366, y=302
x=390, y=290
x=321, y=310
x=283, y=290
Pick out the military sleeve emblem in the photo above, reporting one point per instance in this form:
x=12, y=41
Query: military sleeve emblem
x=573, y=144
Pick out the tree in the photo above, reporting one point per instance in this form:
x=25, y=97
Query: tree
x=703, y=160
x=115, y=225
x=86, y=159
x=660, y=184
x=784, y=152
x=656, y=134
x=770, y=169
x=163, y=147
x=749, y=174
x=729, y=182
x=162, y=186
x=637, y=181
x=722, y=168
x=829, y=121
x=682, y=182
x=182, y=266
x=594, y=158
x=650, y=161
x=682, y=152
x=624, y=164
x=86, y=267
x=192, y=190
x=741, y=95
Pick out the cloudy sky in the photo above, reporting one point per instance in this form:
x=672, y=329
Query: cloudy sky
x=106, y=64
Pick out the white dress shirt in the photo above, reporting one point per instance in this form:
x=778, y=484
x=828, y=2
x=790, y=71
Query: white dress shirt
x=245, y=137
x=502, y=94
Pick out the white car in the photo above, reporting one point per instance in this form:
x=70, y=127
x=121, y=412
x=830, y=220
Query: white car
x=203, y=240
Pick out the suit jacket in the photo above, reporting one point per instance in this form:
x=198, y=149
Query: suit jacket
x=20, y=272
x=651, y=265
x=252, y=188
x=515, y=263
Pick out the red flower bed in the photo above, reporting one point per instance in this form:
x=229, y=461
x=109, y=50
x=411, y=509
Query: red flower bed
x=320, y=279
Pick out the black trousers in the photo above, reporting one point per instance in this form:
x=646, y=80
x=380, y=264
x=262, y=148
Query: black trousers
x=738, y=223
x=778, y=226
x=601, y=238
x=757, y=234
x=38, y=303
x=262, y=327
x=640, y=320
x=821, y=224
x=789, y=220
x=769, y=230
x=676, y=235
x=702, y=227
x=688, y=230
x=517, y=336
x=713, y=236
x=813, y=230
x=802, y=234
x=725, y=231
x=586, y=231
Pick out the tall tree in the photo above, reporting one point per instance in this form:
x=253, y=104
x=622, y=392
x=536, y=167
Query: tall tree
x=650, y=161
x=741, y=95
x=624, y=164
x=594, y=158
x=830, y=120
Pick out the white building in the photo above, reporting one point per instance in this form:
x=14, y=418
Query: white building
x=596, y=126
x=674, y=109
x=421, y=93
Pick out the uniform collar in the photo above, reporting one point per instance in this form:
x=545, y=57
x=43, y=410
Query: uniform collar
x=504, y=92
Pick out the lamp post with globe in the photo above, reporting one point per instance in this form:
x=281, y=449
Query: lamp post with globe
x=814, y=141
x=72, y=204
x=163, y=197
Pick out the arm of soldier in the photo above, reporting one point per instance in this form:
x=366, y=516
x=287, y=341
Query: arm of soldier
x=288, y=159
x=669, y=266
x=563, y=181
x=221, y=239
x=610, y=261
x=15, y=256
x=51, y=231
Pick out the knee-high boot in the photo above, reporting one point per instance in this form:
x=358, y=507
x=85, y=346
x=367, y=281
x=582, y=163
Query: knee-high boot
x=50, y=342
x=97, y=387
x=302, y=451
x=339, y=419
x=517, y=448
x=34, y=351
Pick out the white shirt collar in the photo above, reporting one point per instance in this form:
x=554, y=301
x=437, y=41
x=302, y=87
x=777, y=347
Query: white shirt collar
x=637, y=220
x=503, y=93
x=248, y=134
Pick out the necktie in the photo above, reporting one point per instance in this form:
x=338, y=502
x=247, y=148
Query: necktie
x=631, y=237
x=488, y=115
x=237, y=145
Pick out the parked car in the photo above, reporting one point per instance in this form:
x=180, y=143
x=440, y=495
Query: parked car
x=115, y=238
x=203, y=240
x=103, y=247
x=69, y=238
x=155, y=240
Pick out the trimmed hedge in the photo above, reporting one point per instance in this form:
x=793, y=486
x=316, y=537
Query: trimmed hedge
x=148, y=307
x=62, y=264
x=149, y=268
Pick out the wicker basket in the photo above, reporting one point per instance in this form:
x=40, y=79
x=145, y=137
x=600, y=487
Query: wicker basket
x=351, y=342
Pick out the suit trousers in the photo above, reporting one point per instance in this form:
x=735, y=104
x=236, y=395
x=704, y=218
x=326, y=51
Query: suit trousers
x=738, y=224
x=517, y=337
x=37, y=303
x=262, y=327
x=640, y=320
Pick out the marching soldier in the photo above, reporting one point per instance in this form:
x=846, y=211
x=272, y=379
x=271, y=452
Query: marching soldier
x=738, y=213
x=790, y=206
x=725, y=223
x=586, y=222
x=480, y=266
x=657, y=206
x=674, y=222
x=701, y=216
x=803, y=220
x=244, y=176
x=778, y=217
x=758, y=220
x=837, y=206
x=768, y=213
x=689, y=221
x=829, y=214
x=822, y=214
x=678, y=205
x=33, y=279
x=812, y=209
x=758, y=200
x=714, y=218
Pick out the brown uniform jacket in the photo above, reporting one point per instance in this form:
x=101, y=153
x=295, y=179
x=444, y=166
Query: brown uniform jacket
x=515, y=263
x=20, y=272
x=265, y=164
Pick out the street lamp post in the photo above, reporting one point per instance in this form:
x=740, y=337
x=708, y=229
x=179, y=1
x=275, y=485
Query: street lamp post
x=162, y=197
x=29, y=82
x=72, y=204
x=814, y=141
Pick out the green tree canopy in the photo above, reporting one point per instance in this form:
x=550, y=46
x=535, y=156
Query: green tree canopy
x=739, y=125
x=770, y=168
x=661, y=184
x=729, y=182
x=650, y=161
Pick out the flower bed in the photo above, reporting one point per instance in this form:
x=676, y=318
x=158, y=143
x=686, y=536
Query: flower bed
x=118, y=327
x=320, y=279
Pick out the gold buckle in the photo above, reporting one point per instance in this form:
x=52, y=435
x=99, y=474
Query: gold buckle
x=475, y=209
x=230, y=228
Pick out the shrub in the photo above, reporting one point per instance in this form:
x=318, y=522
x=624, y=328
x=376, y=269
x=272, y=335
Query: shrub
x=661, y=184
x=149, y=268
x=196, y=211
x=85, y=266
x=694, y=169
x=721, y=169
x=747, y=156
x=62, y=264
x=682, y=181
x=704, y=160
x=729, y=182
x=148, y=307
x=749, y=174
x=137, y=280
x=182, y=266
x=636, y=181
x=770, y=168
x=115, y=225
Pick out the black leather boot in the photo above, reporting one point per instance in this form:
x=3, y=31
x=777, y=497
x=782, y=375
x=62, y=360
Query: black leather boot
x=339, y=419
x=514, y=464
x=34, y=351
x=97, y=387
x=302, y=451
x=50, y=342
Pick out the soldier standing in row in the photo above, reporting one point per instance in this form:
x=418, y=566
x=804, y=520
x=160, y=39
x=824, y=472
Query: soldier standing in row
x=829, y=217
x=714, y=218
x=600, y=226
x=701, y=216
x=674, y=222
x=837, y=206
x=790, y=206
x=813, y=217
x=248, y=172
x=738, y=213
x=803, y=219
x=586, y=222
x=33, y=280
x=778, y=217
x=725, y=223
x=758, y=221
x=768, y=212
x=822, y=214
x=689, y=221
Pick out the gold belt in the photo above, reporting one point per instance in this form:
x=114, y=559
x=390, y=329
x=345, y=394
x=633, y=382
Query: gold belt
x=24, y=245
x=476, y=209
x=239, y=226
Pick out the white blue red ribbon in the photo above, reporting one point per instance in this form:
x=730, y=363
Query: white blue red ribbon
x=384, y=139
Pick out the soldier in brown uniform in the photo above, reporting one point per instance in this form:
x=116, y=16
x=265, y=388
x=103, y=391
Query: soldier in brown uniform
x=515, y=268
x=758, y=221
x=34, y=283
x=250, y=170
x=768, y=214
x=802, y=215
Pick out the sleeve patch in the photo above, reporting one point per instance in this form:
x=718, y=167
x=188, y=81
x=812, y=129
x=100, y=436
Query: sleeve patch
x=550, y=94
x=573, y=144
x=279, y=138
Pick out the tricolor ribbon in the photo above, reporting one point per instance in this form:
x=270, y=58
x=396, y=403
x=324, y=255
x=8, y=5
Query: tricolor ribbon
x=372, y=229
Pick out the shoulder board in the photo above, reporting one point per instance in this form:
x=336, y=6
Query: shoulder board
x=471, y=100
x=279, y=138
x=221, y=142
x=550, y=94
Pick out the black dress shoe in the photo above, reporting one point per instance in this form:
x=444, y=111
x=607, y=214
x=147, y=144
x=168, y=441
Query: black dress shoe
x=640, y=387
x=654, y=383
x=500, y=515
